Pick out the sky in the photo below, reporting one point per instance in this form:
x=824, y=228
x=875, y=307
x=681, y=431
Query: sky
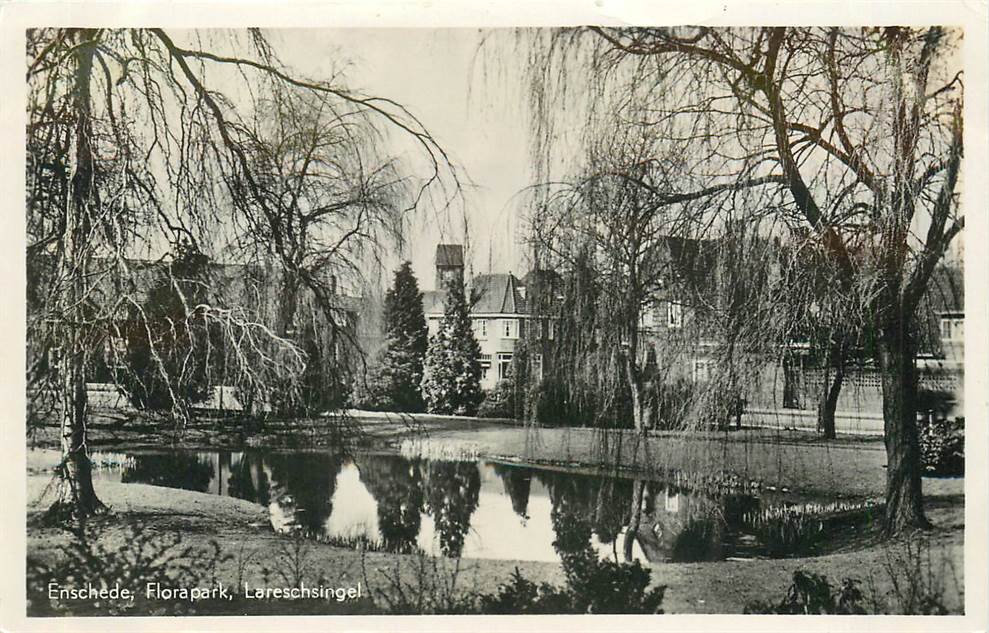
x=472, y=101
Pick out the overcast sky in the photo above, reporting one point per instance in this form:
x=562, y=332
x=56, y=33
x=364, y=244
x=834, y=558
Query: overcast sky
x=472, y=103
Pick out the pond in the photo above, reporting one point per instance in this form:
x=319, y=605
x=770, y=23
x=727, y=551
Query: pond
x=472, y=509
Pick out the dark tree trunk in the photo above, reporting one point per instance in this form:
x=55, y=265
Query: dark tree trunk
x=791, y=386
x=635, y=519
x=834, y=378
x=904, y=495
x=636, y=384
x=829, y=403
x=75, y=497
x=288, y=300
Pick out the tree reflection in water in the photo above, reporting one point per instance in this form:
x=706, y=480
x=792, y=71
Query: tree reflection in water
x=517, y=481
x=587, y=513
x=302, y=485
x=397, y=487
x=452, y=490
x=187, y=471
x=249, y=479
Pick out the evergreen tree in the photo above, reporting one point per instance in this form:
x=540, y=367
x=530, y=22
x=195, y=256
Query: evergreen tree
x=451, y=381
x=169, y=347
x=396, y=387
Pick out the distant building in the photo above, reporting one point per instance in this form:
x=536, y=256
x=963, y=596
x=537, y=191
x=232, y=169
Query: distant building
x=502, y=311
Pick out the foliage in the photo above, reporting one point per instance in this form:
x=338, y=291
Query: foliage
x=396, y=383
x=130, y=559
x=672, y=400
x=812, y=594
x=786, y=531
x=942, y=440
x=847, y=187
x=917, y=581
x=169, y=348
x=432, y=589
x=451, y=381
x=506, y=400
x=138, y=138
x=520, y=596
x=942, y=446
x=595, y=585
x=916, y=585
x=510, y=397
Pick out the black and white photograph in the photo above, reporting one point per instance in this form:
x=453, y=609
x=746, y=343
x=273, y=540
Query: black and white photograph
x=595, y=319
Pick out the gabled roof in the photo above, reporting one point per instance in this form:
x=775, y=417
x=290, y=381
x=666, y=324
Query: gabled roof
x=496, y=294
x=449, y=255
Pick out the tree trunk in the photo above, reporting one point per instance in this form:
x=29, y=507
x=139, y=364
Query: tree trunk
x=828, y=404
x=76, y=499
x=288, y=299
x=633, y=375
x=904, y=496
x=634, y=520
x=791, y=387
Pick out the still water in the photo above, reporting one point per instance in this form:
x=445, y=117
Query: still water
x=474, y=509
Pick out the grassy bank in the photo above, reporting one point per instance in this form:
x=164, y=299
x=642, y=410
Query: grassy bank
x=849, y=467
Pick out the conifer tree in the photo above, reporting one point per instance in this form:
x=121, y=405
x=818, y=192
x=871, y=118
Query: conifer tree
x=451, y=382
x=400, y=372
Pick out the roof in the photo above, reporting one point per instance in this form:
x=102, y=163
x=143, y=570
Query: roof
x=490, y=294
x=449, y=255
x=496, y=294
x=946, y=289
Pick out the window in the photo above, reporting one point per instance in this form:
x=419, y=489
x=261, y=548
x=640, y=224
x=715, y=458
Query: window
x=480, y=328
x=672, y=501
x=537, y=366
x=953, y=329
x=703, y=370
x=485, y=361
x=551, y=328
x=648, y=317
x=674, y=315
x=509, y=328
x=504, y=362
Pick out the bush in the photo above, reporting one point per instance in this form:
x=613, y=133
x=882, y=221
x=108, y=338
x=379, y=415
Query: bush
x=942, y=446
x=812, y=594
x=506, y=400
x=593, y=586
x=134, y=558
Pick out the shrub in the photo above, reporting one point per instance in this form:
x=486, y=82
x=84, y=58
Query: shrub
x=131, y=560
x=942, y=446
x=506, y=400
x=812, y=594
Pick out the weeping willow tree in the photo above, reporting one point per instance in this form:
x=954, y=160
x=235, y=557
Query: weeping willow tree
x=140, y=140
x=851, y=135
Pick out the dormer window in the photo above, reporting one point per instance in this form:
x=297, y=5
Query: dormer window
x=674, y=315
